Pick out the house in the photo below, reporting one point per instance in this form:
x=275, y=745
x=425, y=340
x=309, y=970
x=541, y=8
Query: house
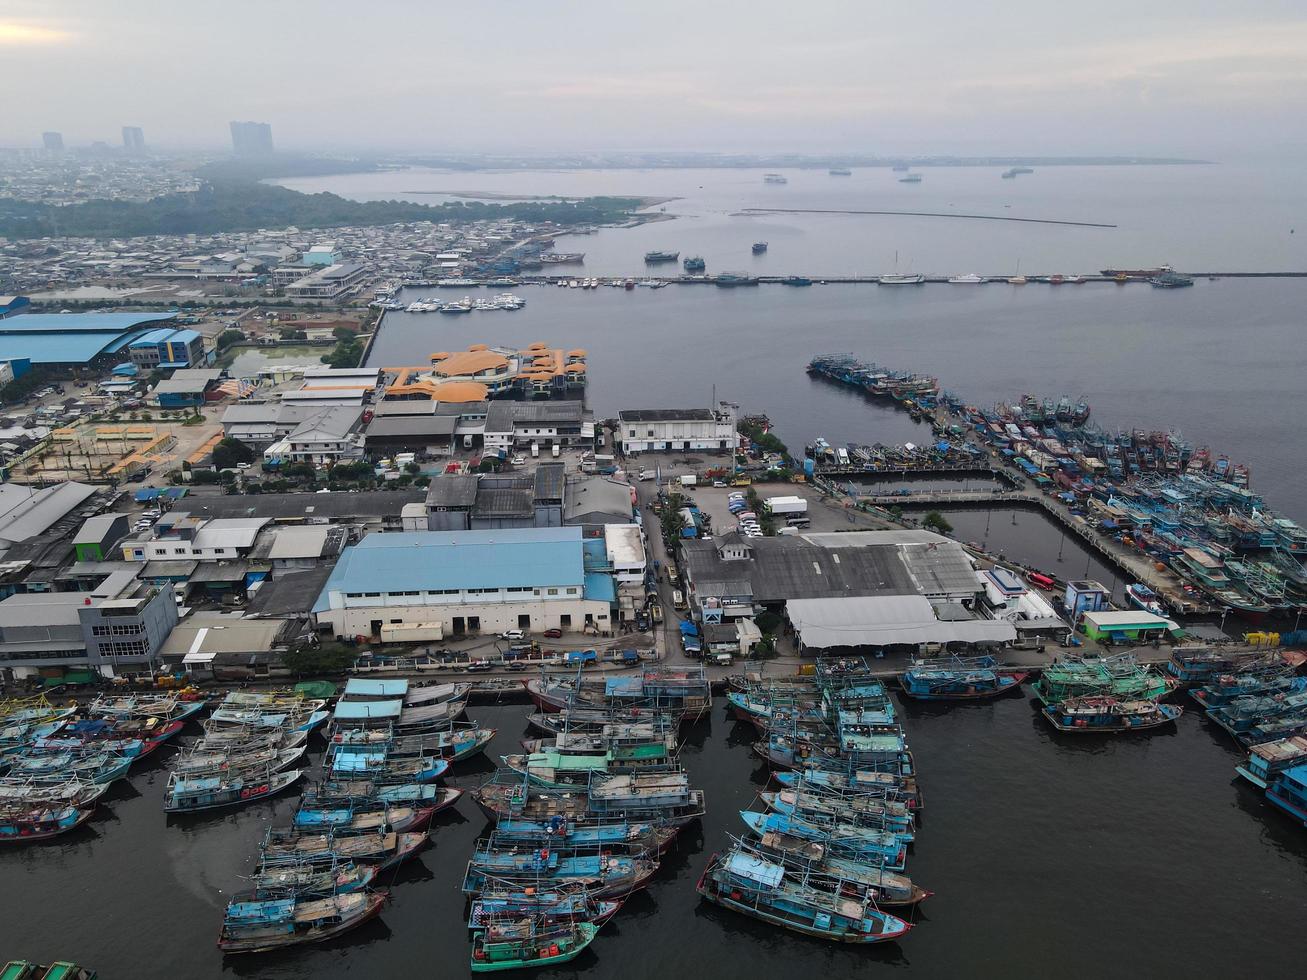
x=179, y=536
x=624, y=547
x=457, y=583
x=323, y=438
x=197, y=643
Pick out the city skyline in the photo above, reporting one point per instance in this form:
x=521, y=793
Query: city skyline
x=842, y=78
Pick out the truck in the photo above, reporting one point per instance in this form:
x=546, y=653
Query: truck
x=554, y=451
x=689, y=480
x=786, y=505
x=535, y=450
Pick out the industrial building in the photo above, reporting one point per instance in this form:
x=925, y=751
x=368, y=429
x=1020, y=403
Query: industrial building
x=673, y=429
x=186, y=388
x=332, y=282
x=167, y=348
x=13, y=305
x=455, y=583
x=1127, y=626
x=73, y=339
x=465, y=501
x=512, y=424
x=109, y=629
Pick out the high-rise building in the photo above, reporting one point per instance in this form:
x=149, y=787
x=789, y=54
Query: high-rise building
x=251, y=138
x=133, y=139
x=54, y=142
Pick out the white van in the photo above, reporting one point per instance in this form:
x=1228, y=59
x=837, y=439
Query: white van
x=555, y=452
x=535, y=450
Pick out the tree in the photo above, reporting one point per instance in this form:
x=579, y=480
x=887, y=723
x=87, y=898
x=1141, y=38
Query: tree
x=412, y=469
x=231, y=452
x=229, y=337
x=935, y=521
x=330, y=659
x=343, y=335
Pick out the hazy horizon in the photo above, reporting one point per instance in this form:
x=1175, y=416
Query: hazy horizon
x=1198, y=79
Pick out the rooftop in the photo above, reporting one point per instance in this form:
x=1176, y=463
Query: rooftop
x=886, y=620
x=666, y=415
x=439, y=560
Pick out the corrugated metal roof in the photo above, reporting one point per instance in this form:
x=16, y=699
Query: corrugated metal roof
x=33, y=513
x=436, y=560
x=885, y=620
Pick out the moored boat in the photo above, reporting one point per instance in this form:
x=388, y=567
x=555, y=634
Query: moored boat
x=254, y=925
x=957, y=679
x=1106, y=715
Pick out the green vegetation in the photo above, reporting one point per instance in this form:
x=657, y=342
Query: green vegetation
x=229, y=337
x=329, y=659
x=935, y=521
x=766, y=441
x=244, y=205
x=281, y=165
x=346, y=354
x=230, y=452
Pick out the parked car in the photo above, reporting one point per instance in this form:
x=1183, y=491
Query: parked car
x=513, y=635
x=553, y=633
x=519, y=460
x=719, y=483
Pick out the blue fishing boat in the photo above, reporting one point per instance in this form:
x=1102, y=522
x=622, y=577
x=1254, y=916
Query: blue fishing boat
x=1228, y=687
x=560, y=831
x=1240, y=716
x=881, y=886
x=854, y=781
x=385, y=849
x=257, y=925
x=881, y=850
x=359, y=790
x=454, y=743
x=958, y=679
x=1197, y=666
x=748, y=883
x=550, y=905
x=1104, y=715
x=1288, y=791
x=380, y=767
x=188, y=793
x=26, y=823
x=97, y=767
x=1268, y=759
x=878, y=813
x=331, y=877
x=601, y=875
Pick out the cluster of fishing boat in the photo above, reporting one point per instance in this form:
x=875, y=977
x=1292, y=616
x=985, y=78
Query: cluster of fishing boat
x=826, y=851
x=62, y=970
x=56, y=763
x=503, y=301
x=581, y=815
x=1258, y=700
x=1104, y=695
x=388, y=744
x=908, y=389
x=252, y=747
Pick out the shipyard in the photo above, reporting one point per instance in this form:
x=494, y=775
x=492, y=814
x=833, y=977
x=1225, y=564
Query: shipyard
x=587, y=500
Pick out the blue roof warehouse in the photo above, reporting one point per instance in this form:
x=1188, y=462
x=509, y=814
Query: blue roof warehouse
x=73, y=339
x=428, y=585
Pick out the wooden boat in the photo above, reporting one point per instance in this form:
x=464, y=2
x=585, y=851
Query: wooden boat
x=682, y=691
x=1105, y=715
x=847, y=840
x=137, y=737
x=509, y=796
x=892, y=815
x=615, y=736
x=854, y=781
x=601, y=875
x=347, y=820
x=240, y=740
x=197, y=761
x=559, y=833
x=170, y=707
x=762, y=889
x=50, y=791
x=309, y=878
x=60, y=970
x=1288, y=791
x=957, y=679
x=186, y=794
x=549, y=905
x=23, y=824
x=382, y=768
x=514, y=943
x=258, y=719
x=1268, y=759
x=366, y=790
x=257, y=925
x=882, y=887
x=97, y=767
x=454, y=744
x=383, y=848
x=579, y=720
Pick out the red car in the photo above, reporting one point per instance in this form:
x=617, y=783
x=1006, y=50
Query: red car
x=553, y=634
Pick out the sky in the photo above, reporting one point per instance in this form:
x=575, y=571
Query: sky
x=1164, y=78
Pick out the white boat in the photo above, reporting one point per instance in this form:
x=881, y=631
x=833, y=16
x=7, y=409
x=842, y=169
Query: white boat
x=775, y=179
x=902, y=280
x=970, y=279
x=1018, y=280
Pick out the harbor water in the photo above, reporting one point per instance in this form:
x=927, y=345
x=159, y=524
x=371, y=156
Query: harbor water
x=1049, y=855
x=1220, y=362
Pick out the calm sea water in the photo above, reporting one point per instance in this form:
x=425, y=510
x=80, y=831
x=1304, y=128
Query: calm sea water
x=1049, y=856
x=1221, y=362
x=1200, y=218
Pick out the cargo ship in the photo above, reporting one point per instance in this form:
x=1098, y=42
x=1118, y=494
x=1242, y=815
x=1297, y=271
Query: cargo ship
x=1170, y=280
x=910, y=179
x=652, y=258
x=759, y=248
x=840, y=172
x=695, y=263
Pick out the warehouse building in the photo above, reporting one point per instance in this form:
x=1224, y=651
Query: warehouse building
x=186, y=388
x=677, y=429
x=167, y=348
x=73, y=339
x=458, y=583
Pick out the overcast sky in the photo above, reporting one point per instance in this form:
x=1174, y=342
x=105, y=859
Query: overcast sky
x=1163, y=77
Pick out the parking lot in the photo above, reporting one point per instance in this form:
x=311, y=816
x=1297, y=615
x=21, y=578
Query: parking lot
x=823, y=513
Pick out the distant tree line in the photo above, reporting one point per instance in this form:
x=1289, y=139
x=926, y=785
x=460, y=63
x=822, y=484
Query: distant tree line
x=246, y=205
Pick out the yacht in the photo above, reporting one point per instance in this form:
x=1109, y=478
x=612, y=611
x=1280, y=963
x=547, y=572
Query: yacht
x=910, y=179
x=775, y=179
x=465, y=306
x=902, y=280
x=1018, y=280
x=970, y=279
